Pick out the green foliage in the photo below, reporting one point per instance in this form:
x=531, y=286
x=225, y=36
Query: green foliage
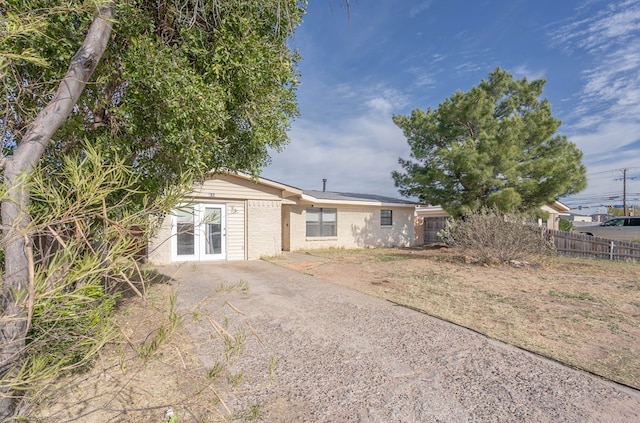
x=160, y=335
x=71, y=321
x=565, y=225
x=15, y=27
x=491, y=236
x=181, y=90
x=614, y=212
x=86, y=237
x=492, y=146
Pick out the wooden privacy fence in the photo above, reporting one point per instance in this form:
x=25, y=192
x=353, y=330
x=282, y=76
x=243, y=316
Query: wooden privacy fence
x=568, y=244
x=572, y=244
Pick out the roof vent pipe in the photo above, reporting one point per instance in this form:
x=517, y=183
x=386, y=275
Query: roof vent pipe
x=324, y=184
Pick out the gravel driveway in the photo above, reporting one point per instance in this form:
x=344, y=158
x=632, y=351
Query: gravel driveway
x=318, y=352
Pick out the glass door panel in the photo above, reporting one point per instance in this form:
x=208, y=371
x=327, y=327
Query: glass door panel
x=185, y=232
x=213, y=230
x=199, y=232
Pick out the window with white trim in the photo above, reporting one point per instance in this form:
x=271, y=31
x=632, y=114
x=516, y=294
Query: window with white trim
x=322, y=221
x=386, y=217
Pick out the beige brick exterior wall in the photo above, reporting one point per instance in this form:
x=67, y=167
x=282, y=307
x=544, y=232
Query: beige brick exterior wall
x=357, y=228
x=264, y=228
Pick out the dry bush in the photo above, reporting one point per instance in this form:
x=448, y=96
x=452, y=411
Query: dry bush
x=491, y=236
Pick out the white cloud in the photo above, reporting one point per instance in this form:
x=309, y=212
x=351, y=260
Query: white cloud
x=611, y=39
x=523, y=71
x=345, y=90
x=606, y=138
x=419, y=8
x=468, y=67
x=605, y=118
x=379, y=104
x=422, y=78
x=606, y=29
x=381, y=98
x=356, y=154
x=615, y=82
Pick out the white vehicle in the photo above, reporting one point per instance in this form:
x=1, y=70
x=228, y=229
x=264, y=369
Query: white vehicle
x=618, y=228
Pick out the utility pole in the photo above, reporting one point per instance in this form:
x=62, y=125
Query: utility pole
x=624, y=190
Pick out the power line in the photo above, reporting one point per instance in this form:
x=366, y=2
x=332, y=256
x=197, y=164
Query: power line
x=611, y=171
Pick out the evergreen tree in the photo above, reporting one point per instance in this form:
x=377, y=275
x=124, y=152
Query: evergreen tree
x=495, y=145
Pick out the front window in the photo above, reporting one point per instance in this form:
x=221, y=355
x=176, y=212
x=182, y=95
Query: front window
x=386, y=217
x=321, y=221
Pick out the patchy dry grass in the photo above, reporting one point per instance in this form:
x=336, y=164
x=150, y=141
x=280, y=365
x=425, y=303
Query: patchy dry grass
x=584, y=313
x=153, y=366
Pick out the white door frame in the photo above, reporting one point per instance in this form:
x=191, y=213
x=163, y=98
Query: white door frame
x=194, y=244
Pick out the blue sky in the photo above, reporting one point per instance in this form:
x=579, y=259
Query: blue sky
x=392, y=56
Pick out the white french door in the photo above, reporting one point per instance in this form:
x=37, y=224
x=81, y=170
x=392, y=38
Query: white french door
x=198, y=232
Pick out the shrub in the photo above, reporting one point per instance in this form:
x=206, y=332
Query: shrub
x=492, y=236
x=565, y=225
x=85, y=232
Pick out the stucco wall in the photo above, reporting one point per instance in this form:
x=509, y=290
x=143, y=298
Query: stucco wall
x=357, y=227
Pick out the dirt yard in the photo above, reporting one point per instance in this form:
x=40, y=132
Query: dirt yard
x=583, y=313
x=580, y=312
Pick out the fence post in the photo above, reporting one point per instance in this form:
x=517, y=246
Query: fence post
x=611, y=251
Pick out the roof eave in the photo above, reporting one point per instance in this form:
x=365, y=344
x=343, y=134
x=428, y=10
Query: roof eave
x=308, y=199
x=287, y=190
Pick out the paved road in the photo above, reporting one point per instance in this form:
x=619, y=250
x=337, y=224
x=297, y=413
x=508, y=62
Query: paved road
x=325, y=353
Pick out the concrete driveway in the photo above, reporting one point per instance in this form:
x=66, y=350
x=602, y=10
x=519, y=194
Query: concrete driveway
x=318, y=352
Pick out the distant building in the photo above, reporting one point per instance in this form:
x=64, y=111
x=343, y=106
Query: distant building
x=578, y=219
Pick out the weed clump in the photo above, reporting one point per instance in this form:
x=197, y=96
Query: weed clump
x=491, y=236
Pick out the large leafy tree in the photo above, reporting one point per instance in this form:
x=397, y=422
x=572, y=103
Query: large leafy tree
x=495, y=145
x=183, y=86
x=174, y=87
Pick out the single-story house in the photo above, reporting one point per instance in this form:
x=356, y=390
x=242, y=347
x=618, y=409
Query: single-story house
x=431, y=219
x=235, y=217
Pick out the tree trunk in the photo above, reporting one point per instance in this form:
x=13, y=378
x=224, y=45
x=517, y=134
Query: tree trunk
x=15, y=218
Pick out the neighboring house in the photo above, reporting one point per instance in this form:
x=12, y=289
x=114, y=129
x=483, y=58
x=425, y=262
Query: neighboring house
x=554, y=210
x=579, y=219
x=234, y=217
x=431, y=219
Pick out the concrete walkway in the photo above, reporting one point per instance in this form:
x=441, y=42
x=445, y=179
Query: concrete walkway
x=318, y=352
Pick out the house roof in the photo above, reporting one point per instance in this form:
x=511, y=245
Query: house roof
x=329, y=197
x=293, y=195
x=287, y=190
x=556, y=206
